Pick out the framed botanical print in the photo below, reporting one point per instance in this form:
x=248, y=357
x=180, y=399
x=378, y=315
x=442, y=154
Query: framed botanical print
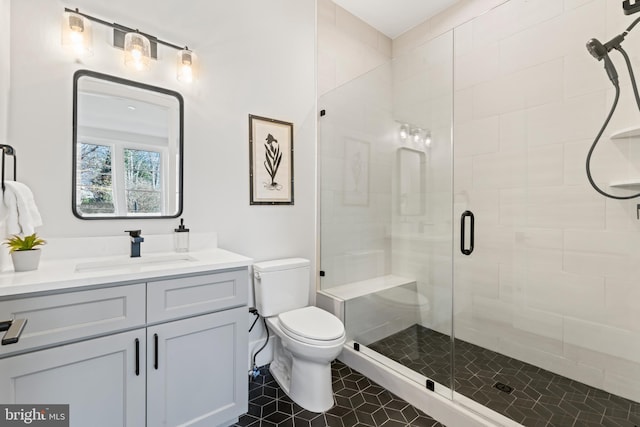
x=271, y=161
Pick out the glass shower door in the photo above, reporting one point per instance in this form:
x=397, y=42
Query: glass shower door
x=546, y=306
x=385, y=211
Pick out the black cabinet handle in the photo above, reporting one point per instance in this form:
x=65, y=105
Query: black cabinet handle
x=155, y=354
x=137, y=357
x=463, y=222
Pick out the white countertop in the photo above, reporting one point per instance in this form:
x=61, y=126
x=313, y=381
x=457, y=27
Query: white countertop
x=59, y=274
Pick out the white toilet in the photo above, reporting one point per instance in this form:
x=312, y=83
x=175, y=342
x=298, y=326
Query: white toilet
x=307, y=338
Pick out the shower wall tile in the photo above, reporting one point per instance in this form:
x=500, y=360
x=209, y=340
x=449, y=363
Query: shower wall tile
x=486, y=209
x=347, y=47
x=512, y=131
x=514, y=56
x=463, y=106
x=355, y=27
x=499, y=170
x=595, y=336
x=622, y=304
x=572, y=4
x=538, y=322
x=598, y=264
x=500, y=95
x=581, y=77
x=560, y=207
x=477, y=277
x=545, y=166
x=492, y=310
x=575, y=154
x=566, y=294
x=549, y=260
x=601, y=242
x=496, y=25
x=622, y=215
x=548, y=87
x=473, y=68
x=477, y=137
x=513, y=202
x=534, y=13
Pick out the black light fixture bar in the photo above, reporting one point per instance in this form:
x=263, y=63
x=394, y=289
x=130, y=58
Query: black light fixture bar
x=124, y=29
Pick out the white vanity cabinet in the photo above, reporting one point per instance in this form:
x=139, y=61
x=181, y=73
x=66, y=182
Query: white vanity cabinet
x=166, y=352
x=97, y=378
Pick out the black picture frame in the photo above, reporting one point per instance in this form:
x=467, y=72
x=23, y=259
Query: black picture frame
x=270, y=161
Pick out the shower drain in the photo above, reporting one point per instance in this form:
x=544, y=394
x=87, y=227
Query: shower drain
x=503, y=387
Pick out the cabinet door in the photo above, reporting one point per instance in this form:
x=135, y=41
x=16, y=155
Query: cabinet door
x=97, y=378
x=197, y=370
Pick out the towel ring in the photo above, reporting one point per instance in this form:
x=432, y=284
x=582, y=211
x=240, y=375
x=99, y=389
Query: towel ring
x=9, y=151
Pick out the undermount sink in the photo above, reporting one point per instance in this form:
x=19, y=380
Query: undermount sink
x=137, y=263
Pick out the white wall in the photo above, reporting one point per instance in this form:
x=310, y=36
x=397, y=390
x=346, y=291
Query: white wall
x=5, y=8
x=249, y=63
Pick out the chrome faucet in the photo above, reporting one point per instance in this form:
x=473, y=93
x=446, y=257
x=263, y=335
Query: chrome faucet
x=136, y=239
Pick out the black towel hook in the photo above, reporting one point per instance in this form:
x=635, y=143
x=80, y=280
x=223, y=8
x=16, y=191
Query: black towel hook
x=9, y=151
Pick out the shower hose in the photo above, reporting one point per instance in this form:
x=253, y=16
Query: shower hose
x=606, y=122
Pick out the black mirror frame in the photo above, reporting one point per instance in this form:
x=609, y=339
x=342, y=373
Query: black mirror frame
x=88, y=73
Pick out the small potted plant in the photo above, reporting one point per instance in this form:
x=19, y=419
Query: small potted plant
x=24, y=251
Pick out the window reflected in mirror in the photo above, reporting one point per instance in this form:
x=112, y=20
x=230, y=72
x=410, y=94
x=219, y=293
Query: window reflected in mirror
x=127, y=149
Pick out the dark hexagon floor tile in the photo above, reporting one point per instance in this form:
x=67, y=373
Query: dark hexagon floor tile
x=539, y=397
x=358, y=402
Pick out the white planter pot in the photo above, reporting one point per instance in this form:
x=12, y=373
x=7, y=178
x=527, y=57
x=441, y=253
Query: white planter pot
x=26, y=260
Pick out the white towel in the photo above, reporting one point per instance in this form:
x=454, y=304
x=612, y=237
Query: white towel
x=20, y=210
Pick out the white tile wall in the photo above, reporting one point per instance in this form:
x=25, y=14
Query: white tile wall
x=347, y=47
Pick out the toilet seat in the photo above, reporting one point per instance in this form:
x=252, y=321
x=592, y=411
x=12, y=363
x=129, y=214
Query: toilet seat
x=311, y=325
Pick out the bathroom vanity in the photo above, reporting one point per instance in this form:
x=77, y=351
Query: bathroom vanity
x=159, y=342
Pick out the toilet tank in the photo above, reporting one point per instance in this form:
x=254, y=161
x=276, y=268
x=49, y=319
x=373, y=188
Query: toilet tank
x=281, y=285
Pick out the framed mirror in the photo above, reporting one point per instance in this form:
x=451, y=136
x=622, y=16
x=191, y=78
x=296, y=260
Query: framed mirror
x=127, y=149
x=411, y=181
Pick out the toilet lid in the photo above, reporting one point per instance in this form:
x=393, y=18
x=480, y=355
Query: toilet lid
x=311, y=323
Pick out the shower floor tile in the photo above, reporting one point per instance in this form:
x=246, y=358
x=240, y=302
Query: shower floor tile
x=359, y=402
x=537, y=397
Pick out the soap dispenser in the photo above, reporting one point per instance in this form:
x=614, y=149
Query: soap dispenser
x=181, y=238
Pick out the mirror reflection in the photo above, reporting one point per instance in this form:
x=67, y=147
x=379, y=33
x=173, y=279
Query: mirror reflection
x=411, y=181
x=127, y=148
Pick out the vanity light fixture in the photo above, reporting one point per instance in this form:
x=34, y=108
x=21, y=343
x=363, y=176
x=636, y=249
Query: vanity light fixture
x=139, y=48
x=76, y=33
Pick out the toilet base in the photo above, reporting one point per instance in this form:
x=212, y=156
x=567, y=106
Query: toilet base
x=307, y=383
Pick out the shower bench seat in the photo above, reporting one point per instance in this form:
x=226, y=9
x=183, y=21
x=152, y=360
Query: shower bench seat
x=374, y=308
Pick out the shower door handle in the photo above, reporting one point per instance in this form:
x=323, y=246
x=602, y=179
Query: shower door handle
x=463, y=226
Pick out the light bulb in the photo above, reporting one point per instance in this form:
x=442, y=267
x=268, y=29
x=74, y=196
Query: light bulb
x=417, y=135
x=185, y=66
x=76, y=33
x=137, y=51
x=404, y=131
x=427, y=139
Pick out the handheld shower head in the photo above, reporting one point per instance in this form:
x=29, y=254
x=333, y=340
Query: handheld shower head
x=601, y=52
x=596, y=49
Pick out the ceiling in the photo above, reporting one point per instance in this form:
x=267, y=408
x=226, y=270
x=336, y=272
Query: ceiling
x=394, y=17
